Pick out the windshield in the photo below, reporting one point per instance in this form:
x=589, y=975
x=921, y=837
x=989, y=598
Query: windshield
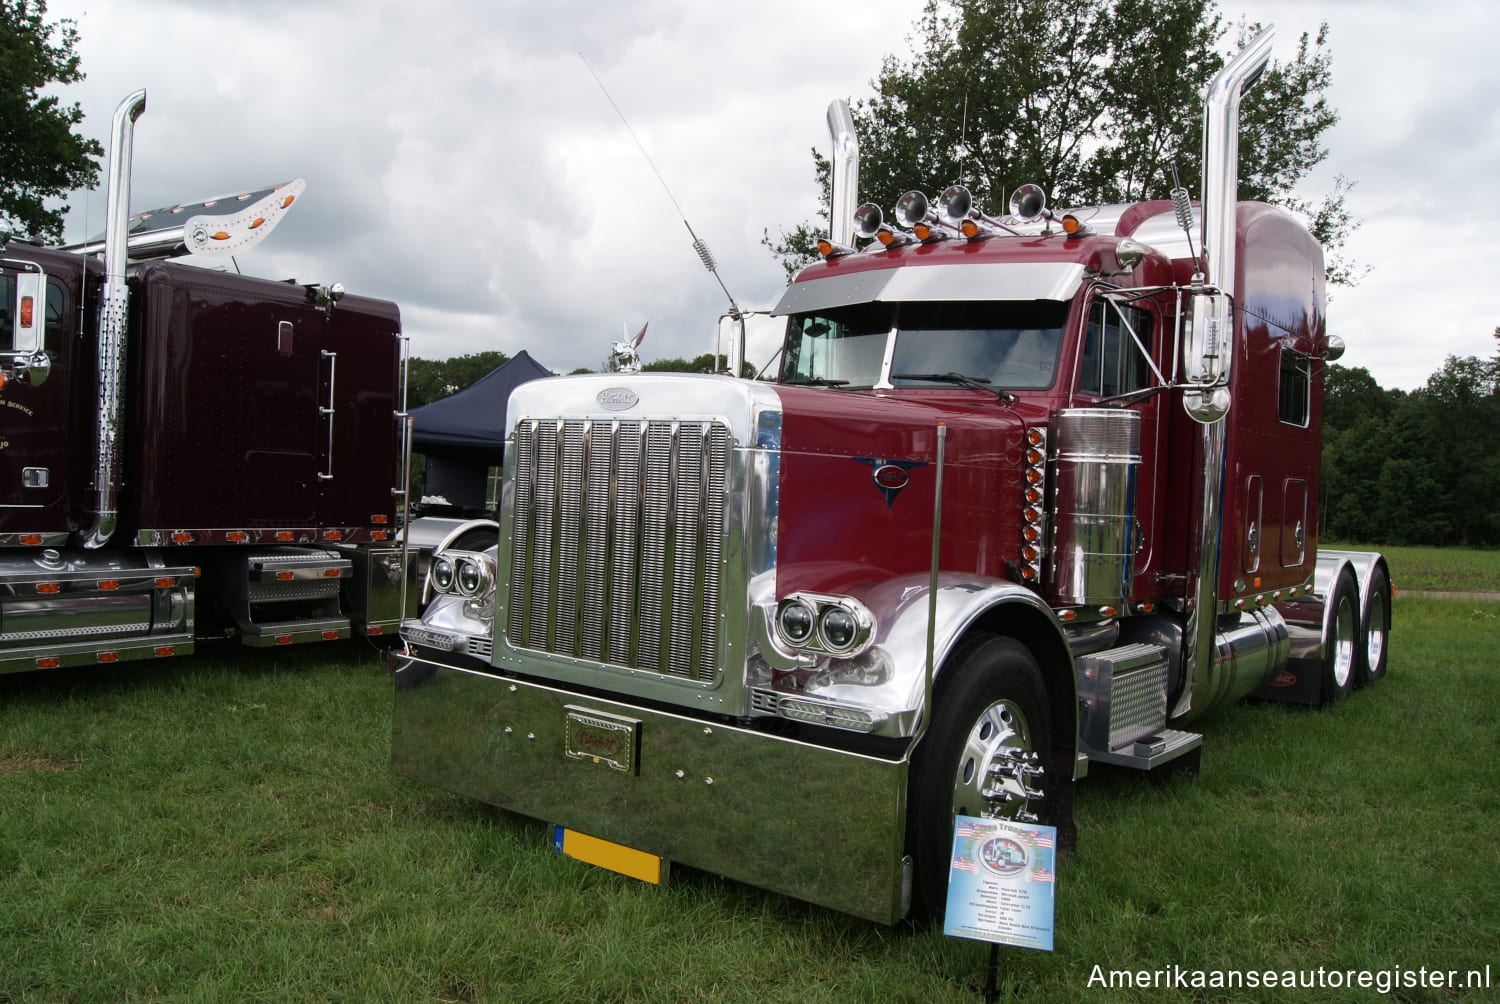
x=1011, y=344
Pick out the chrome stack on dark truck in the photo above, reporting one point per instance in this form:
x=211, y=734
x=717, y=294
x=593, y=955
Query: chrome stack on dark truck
x=1032, y=491
x=188, y=453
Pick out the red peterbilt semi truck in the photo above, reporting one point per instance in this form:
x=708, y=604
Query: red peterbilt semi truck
x=1066, y=461
x=189, y=453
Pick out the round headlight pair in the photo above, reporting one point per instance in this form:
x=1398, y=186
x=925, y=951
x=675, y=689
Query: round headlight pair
x=832, y=625
x=466, y=575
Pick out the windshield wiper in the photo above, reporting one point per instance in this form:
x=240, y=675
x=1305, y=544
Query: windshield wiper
x=974, y=383
x=816, y=382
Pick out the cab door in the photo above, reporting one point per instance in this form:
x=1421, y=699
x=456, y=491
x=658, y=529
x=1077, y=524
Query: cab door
x=34, y=382
x=1117, y=365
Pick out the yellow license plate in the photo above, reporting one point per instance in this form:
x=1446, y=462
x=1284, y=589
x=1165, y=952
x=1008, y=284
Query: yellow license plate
x=607, y=854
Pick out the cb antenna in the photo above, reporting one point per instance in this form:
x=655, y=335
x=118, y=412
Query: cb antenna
x=1182, y=202
x=699, y=245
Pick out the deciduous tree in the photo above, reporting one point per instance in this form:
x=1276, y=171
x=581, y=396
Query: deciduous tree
x=1095, y=100
x=41, y=157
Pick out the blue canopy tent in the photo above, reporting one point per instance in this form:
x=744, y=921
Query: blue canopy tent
x=463, y=435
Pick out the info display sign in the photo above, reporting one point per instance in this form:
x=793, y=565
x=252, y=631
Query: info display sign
x=1001, y=882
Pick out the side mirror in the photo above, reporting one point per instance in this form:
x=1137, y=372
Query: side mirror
x=1206, y=357
x=29, y=313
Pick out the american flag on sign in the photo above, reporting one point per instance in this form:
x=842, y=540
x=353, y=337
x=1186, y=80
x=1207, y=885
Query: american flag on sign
x=963, y=864
x=963, y=830
x=1042, y=840
x=1039, y=875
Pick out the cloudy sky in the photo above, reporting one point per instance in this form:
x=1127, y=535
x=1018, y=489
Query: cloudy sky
x=462, y=161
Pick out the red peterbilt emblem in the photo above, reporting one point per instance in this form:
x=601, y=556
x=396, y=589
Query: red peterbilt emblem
x=890, y=476
x=1284, y=679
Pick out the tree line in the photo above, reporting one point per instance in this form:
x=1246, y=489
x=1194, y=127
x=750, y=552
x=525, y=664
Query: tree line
x=1413, y=468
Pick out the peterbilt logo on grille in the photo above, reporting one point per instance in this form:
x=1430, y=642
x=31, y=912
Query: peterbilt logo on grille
x=617, y=398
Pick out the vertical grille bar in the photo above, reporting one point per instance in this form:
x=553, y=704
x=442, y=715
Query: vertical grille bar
x=686, y=562
x=618, y=542
x=656, y=504
x=596, y=537
x=569, y=503
x=625, y=559
x=716, y=485
x=539, y=599
x=524, y=501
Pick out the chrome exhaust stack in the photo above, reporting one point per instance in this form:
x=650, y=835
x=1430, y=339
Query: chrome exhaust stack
x=1207, y=356
x=843, y=174
x=112, y=322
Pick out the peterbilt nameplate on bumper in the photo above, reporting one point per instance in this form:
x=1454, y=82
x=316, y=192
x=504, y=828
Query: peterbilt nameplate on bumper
x=602, y=739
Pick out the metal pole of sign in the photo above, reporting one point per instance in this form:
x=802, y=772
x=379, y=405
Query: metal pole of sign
x=990, y=990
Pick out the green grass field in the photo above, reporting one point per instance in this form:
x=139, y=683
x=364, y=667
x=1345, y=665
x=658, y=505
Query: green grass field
x=226, y=828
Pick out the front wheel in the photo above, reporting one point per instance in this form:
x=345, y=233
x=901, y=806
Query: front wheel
x=990, y=710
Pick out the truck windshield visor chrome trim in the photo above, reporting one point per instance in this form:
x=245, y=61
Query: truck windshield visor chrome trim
x=1002, y=344
x=967, y=282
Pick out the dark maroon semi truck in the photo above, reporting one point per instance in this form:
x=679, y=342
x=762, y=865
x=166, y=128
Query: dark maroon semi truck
x=189, y=453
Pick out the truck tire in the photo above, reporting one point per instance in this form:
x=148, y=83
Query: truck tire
x=1375, y=629
x=1340, y=661
x=990, y=698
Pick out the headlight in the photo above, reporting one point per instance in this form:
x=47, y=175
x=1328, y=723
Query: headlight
x=795, y=620
x=473, y=577
x=838, y=629
x=442, y=574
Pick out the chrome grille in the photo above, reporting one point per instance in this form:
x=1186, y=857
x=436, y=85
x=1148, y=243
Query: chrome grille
x=618, y=541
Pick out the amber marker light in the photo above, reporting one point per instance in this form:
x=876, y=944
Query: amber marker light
x=330, y=636
x=330, y=573
x=922, y=230
x=284, y=535
x=283, y=639
x=968, y=228
x=1071, y=224
x=825, y=247
x=284, y=576
x=236, y=536
x=48, y=588
x=30, y=539
x=288, y=201
x=257, y=222
x=332, y=535
x=48, y=662
x=165, y=582
x=885, y=235
x=163, y=651
x=108, y=657
x=182, y=538
x=380, y=517
x=109, y=584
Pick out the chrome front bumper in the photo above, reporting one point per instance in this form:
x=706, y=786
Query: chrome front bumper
x=813, y=823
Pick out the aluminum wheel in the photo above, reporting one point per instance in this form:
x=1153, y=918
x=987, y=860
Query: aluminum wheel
x=1001, y=726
